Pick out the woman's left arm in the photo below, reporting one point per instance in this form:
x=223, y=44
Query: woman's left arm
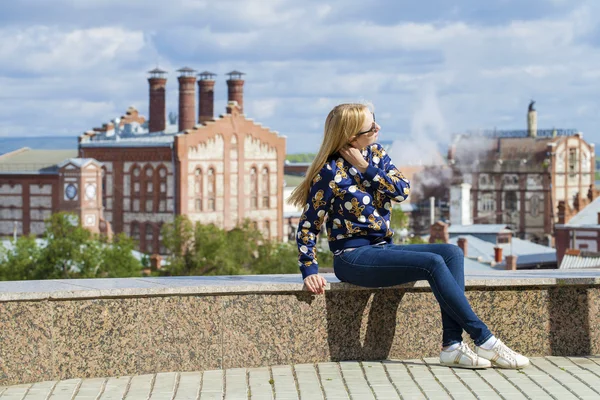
x=388, y=180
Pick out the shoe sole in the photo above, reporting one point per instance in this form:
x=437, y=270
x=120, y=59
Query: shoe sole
x=464, y=366
x=494, y=364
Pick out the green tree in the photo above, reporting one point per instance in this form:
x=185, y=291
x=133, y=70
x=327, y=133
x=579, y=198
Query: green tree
x=68, y=251
x=19, y=262
x=199, y=249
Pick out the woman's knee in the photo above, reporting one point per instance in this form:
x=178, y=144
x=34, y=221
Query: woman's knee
x=436, y=262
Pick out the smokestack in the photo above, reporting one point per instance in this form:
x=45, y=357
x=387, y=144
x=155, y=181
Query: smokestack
x=532, y=120
x=206, y=96
x=462, y=243
x=432, y=209
x=187, y=98
x=158, y=110
x=235, y=89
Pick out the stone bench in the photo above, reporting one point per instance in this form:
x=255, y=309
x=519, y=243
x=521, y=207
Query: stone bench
x=61, y=329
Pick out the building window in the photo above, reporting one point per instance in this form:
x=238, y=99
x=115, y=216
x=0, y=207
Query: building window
x=487, y=202
x=572, y=162
x=148, y=196
x=198, y=189
x=267, y=231
x=104, y=190
x=483, y=180
x=265, y=187
x=161, y=247
x=149, y=236
x=162, y=186
x=211, y=189
x=534, y=206
x=253, y=189
x=135, y=232
x=510, y=200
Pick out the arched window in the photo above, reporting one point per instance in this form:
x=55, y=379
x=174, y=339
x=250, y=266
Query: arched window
x=136, y=187
x=267, y=230
x=265, y=187
x=161, y=247
x=198, y=189
x=510, y=199
x=148, y=189
x=253, y=189
x=211, y=189
x=162, y=189
x=149, y=239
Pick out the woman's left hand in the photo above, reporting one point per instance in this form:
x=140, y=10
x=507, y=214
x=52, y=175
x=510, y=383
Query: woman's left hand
x=354, y=157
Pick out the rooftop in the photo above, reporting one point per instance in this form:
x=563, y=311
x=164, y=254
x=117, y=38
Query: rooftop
x=478, y=228
x=26, y=160
x=588, y=216
x=528, y=253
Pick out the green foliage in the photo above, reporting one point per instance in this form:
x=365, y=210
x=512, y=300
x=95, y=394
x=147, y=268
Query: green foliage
x=417, y=240
x=399, y=219
x=198, y=249
x=69, y=251
x=300, y=157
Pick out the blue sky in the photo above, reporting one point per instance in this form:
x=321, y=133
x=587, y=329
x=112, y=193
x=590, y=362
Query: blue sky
x=431, y=68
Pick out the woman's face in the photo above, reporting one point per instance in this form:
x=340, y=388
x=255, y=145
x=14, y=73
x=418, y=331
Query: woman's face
x=369, y=132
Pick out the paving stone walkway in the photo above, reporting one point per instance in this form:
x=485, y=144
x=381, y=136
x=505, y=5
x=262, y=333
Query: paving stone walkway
x=548, y=378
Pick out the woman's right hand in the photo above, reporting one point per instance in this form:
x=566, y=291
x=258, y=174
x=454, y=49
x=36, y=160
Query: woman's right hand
x=315, y=283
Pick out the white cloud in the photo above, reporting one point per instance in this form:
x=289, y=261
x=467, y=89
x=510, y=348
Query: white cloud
x=43, y=49
x=303, y=58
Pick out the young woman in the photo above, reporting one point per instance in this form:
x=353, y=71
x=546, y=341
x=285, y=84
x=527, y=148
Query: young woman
x=353, y=181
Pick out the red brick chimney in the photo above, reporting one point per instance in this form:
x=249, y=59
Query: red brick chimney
x=206, y=96
x=511, y=263
x=439, y=233
x=235, y=89
x=498, y=254
x=187, y=98
x=462, y=243
x=155, y=261
x=158, y=110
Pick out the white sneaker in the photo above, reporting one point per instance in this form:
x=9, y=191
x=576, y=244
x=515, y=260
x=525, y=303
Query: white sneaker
x=502, y=356
x=463, y=357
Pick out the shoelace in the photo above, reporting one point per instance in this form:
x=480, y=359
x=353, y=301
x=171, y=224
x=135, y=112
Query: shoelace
x=505, y=351
x=467, y=350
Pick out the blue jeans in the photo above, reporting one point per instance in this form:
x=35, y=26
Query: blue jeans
x=442, y=265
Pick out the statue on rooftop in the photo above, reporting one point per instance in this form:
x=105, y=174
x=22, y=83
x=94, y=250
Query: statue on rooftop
x=531, y=104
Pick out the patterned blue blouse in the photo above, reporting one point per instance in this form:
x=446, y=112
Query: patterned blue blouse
x=358, y=206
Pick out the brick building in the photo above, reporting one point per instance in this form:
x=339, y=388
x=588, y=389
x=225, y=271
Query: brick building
x=213, y=169
x=520, y=178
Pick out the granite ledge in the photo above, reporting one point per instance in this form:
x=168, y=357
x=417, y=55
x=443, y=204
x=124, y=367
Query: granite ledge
x=226, y=285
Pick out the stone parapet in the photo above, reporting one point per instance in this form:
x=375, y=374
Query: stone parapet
x=63, y=329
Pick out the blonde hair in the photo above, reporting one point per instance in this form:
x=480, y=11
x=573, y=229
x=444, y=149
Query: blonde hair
x=342, y=123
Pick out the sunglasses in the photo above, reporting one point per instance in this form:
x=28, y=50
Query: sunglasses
x=373, y=128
